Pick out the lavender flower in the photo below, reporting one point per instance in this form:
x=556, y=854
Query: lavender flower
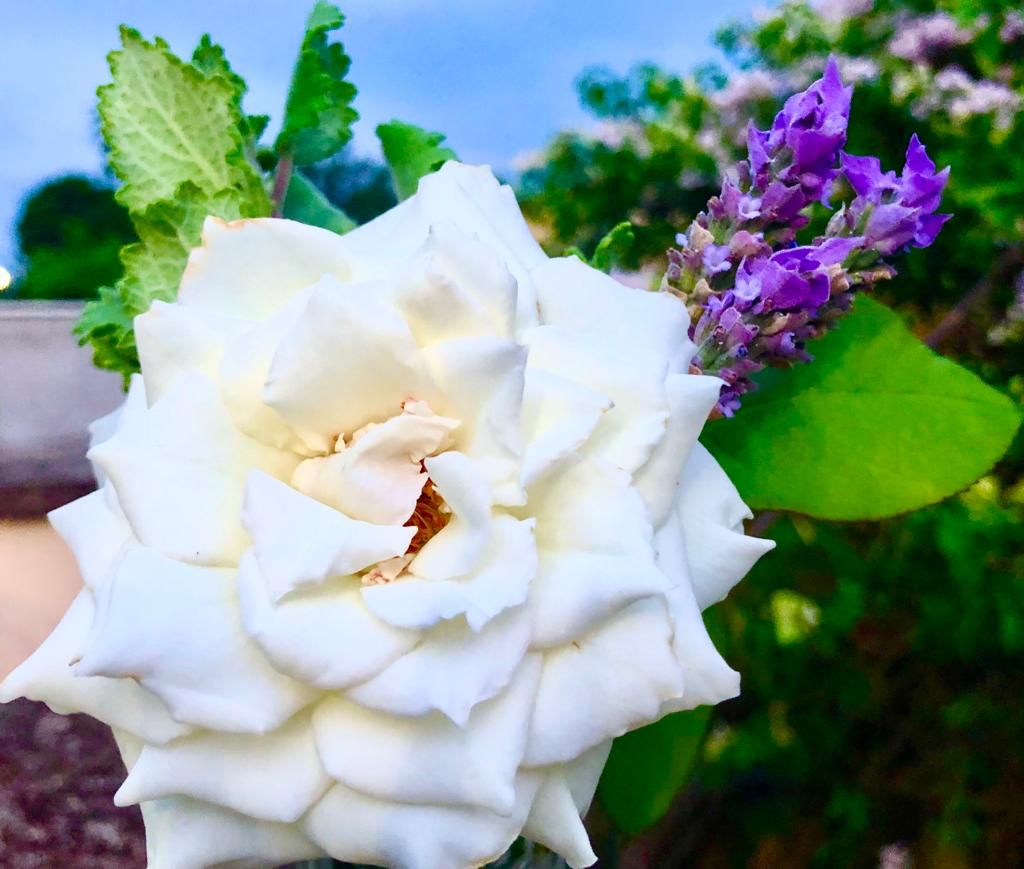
x=756, y=296
x=895, y=212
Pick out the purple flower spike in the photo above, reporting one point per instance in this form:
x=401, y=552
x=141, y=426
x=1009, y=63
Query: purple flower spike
x=802, y=144
x=756, y=296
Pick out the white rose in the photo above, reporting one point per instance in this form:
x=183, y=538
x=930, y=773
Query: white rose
x=397, y=531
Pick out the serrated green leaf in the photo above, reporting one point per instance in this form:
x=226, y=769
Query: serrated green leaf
x=152, y=270
x=318, y=114
x=411, y=152
x=877, y=425
x=613, y=247
x=167, y=233
x=106, y=324
x=649, y=766
x=256, y=126
x=168, y=122
x=210, y=59
x=306, y=204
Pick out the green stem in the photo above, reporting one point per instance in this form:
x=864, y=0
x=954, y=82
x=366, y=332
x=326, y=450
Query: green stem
x=282, y=178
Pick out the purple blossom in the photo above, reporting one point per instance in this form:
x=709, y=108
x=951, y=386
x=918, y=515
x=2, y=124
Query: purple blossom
x=801, y=146
x=896, y=211
x=716, y=259
x=755, y=295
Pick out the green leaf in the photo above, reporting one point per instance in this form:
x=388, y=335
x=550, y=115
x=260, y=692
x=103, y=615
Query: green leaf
x=411, y=152
x=613, y=247
x=877, y=425
x=318, y=114
x=106, y=324
x=168, y=122
x=647, y=768
x=152, y=270
x=306, y=204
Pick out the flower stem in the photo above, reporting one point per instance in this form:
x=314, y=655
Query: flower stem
x=282, y=178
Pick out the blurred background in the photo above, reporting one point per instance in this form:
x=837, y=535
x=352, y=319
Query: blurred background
x=881, y=721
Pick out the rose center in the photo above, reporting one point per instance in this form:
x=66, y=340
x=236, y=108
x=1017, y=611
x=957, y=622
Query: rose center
x=430, y=515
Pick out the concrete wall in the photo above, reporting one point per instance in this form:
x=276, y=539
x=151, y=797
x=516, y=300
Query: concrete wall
x=49, y=393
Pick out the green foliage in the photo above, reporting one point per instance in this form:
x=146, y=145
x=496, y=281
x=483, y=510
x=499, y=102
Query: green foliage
x=614, y=247
x=876, y=657
x=168, y=231
x=359, y=186
x=167, y=122
x=305, y=203
x=318, y=115
x=875, y=426
x=411, y=152
x=178, y=141
x=69, y=233
x=647, y=767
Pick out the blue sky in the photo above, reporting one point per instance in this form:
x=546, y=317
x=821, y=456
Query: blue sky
x=495, y=75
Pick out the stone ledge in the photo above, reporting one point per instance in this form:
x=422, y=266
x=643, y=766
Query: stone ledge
x=49, y=393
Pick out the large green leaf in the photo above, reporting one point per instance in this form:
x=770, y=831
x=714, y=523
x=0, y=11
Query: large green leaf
x=411, y=152
x=306, y=204
x=877, y=425
x=318, y=115
x=647, y=768
x=167, y=122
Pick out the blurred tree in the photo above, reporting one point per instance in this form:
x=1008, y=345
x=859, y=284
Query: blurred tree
x=70, y=231
x=359, y=186
x=882, y=663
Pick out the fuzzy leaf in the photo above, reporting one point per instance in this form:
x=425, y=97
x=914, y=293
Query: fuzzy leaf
x=168, y=122
x=152, y=270
x=305, y=203
x=877, y=425
x=318, y=115
x=106, y=324
x=647, y=767
x=411, y=152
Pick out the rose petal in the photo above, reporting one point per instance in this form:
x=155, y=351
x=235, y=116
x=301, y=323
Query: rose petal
x=175, y=339
x=103, y=429
x=594, y=542
x=558, y=416
x=452, y=669
x=467, y=198
x=176, y=629
x=325, y=637
x=612, y=680
x=47, y=676
x=647, y=329
x=347, y=361
x=480, y=383
x=243, y=374
x=256, y=266
x=186, y=834
x=635, y=382
x=180, y=470
x=690, y=400
x=96, y=531
x=270, y=777
x=457, y=548
x=300, y=542
x=500, y=580
x=379, y=477
x=707, y=678
x=455, y=287
x=711, y=511
x=361, y=829
x=430, y=759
